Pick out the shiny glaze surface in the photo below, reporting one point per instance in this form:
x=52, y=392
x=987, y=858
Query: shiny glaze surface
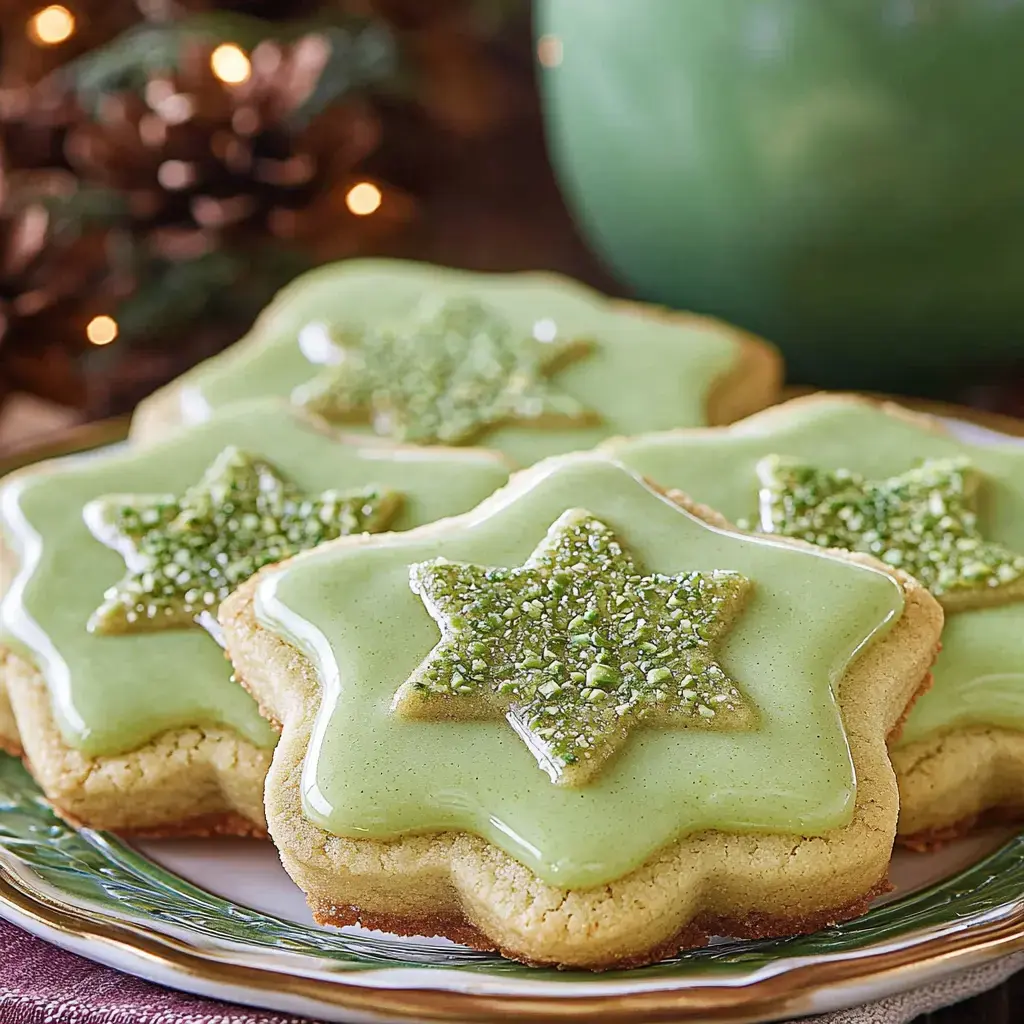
x=369, y=773
x=641, y=373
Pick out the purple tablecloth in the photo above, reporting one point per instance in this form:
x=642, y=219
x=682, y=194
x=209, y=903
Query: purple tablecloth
x=40, y=984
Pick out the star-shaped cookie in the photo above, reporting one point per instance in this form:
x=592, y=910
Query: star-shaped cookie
x=152, y=718
x=447, y=374
x=576, y=648
x=527, y=364
x=447, y=823
x=841, y=469
x=185, y=555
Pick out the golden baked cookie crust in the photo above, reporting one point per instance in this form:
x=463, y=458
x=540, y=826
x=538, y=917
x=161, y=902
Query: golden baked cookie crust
x=184, y=782
x=958, y=778
x=10, y=740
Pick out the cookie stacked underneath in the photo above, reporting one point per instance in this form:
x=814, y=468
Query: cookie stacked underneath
x=125, y=707
x=848, y=472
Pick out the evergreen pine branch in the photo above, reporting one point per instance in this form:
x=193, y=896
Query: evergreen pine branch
x=87, y=207
x=363, y=54
x=223, y=286
x=361, y=60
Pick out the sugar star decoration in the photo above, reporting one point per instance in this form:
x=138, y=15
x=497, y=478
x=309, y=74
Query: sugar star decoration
x=184, y=556
x=576, y=648
x=454, y=371
x=921, y=521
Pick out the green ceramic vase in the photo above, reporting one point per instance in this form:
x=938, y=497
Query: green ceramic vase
x=844, y=176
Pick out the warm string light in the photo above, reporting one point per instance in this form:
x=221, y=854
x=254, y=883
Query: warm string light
x=101, y=330
x=230, y=64
x=51, y=25
x=364, y=199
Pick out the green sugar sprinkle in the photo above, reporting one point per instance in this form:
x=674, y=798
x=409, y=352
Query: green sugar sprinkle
x=920, y=521
x=454, y=370
x=576, y=648
x=184, y=556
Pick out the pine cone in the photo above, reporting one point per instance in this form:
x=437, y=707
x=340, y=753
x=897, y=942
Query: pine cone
x=34, y=122
x=199, y=158
x=53, y=280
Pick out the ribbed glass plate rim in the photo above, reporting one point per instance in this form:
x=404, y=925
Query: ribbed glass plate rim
x=97, y=874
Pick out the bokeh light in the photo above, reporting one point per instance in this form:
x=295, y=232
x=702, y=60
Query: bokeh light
x=51, y=25
x=230, y=64
x=101, y=330
x=364, y=198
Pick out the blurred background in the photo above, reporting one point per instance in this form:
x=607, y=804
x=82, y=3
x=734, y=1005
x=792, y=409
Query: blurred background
x=167, y=166
x=843, y=178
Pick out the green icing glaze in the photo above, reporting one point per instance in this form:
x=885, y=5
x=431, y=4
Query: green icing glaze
x=671, y=365
x=446, y=375
x=979, y=677
x=185, y=555
x=576, y=648
x=370, y=772
x=982, y=659
x=113, y=693
x=920, y=521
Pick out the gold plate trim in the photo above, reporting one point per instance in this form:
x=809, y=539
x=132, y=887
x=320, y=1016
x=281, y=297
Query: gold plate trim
x=789, y=993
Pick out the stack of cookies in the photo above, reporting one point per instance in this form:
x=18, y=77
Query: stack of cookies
x=463, y=589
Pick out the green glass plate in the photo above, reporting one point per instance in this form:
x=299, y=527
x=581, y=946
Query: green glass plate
x=56, y=878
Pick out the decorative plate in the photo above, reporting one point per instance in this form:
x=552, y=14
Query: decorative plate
x=221, y=918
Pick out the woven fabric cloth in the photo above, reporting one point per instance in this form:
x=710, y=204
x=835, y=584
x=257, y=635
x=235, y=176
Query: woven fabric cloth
x=40, y=984
x=905, y=1007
